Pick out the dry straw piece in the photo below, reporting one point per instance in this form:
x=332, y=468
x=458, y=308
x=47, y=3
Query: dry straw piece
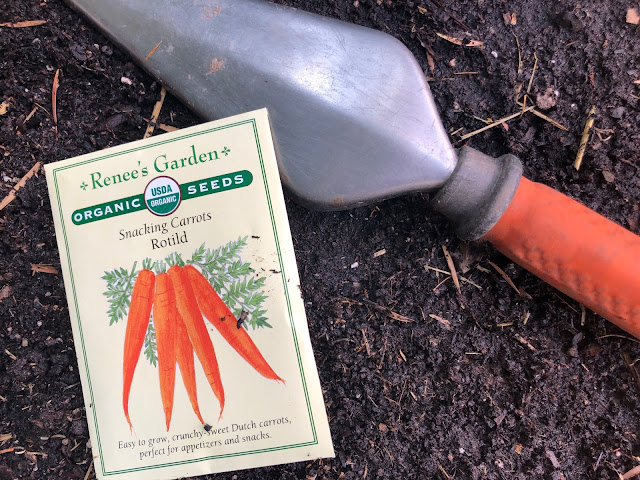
x=585, y=138
x=156, y=112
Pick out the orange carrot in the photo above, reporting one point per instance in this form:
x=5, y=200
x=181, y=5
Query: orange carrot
x=225, y=322
x=137, y=324
x=184, y=356
x=198, y=334
x=165, y=319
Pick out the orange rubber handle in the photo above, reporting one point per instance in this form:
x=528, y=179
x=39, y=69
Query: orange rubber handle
x=578, y=251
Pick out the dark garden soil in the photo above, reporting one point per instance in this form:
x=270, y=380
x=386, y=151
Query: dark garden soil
x=485, y=384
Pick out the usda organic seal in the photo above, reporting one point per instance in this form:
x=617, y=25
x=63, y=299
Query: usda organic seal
x=162, y=196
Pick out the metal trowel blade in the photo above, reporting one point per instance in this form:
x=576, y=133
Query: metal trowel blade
x=352, y=115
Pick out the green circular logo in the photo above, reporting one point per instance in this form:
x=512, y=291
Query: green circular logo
x=162, y=196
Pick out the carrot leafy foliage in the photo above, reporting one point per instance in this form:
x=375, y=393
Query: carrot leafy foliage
x=150, y=350
x=119, y=287
x=235, y=281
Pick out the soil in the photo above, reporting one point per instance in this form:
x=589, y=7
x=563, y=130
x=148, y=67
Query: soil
x=485, y=384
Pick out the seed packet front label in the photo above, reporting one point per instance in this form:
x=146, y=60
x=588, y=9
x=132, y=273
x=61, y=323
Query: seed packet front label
x=184, y=300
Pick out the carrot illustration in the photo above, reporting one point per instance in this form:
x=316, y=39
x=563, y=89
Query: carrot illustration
x=165, y=319
x=184, y=356
x=198, y=334
x=226, y=323
x=137, y=324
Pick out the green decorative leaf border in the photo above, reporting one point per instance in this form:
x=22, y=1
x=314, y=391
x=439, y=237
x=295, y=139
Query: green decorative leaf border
x=92, y=404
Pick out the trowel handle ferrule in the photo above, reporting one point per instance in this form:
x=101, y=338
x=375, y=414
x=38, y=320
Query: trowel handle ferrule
x=581, y=253
x=578, y=251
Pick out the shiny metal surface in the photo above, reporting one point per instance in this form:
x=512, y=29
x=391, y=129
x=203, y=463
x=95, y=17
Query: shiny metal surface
x=351, y=112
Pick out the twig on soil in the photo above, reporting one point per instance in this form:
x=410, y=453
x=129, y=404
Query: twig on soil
x=431, y=62
x=445, y=323
x=43, y=268
x=504, y=324
x=26, y=23
x=54, y=98
x=388, y=311
x=438, y=285
x=585, y=138
x=396, y=316
x=31, y=114
x=544, y=117
x=506, y=277
x=496, y=123
x=524, y=342
x=153, y=50
x=43, y=108
x=464, y=279
x=383, y=351
x=366, y=342
x=163, y=126
x=485, y=121
x=452, y=268
x=634, y=472
x=623, y=160
x=630, y=365
x=443, y=471
x=405, y=360
x=12, y=193
x=457, y=41
x=519, y=54
x=387, y=450
x=392, y=401
x=429, y=267
x=7, y=450
x=564, y=301
x=595, y=467
x=604, y=131
x=88, y=471
x=533, y=72
x=11, y=355
x=583, y=315
x=155, y=114
x=619, y=336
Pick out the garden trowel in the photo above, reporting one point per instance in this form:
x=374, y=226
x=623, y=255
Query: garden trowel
x=354, y=123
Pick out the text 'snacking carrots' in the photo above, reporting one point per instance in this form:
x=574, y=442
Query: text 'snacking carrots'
x=198, y=334
x=184, y=356
x=137, y=324
x=165, y=319
x=226, y=323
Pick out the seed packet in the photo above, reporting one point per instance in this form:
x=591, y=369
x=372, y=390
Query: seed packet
x=185, y=304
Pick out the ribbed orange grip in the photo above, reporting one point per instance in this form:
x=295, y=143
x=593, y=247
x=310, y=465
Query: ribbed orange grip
x=578, y=251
